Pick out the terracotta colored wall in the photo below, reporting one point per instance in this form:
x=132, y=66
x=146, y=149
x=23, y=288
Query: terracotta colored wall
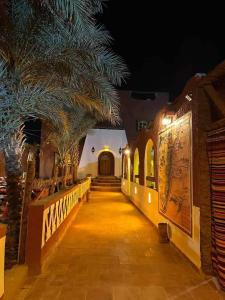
x=201, y=121
x=135, y=109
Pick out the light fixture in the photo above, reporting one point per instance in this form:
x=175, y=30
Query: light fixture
x=127, y=151
x=167, y=120
x=135, y=190
x=149, y=198
x=120, y=150
x=188, y=97
x=93, y=149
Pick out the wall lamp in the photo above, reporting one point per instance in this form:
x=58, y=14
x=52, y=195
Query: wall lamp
x=93, y=149
x=167, y=119
x=127, y=151
x=189, y=97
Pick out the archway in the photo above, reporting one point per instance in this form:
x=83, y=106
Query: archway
x=136, y=166
x=106, y=164
x=150, y=165
x=125, y=167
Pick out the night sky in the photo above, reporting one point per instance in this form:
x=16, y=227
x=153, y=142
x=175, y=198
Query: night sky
x=163, y=46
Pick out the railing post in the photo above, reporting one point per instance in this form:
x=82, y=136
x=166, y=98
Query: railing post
x=2, y=258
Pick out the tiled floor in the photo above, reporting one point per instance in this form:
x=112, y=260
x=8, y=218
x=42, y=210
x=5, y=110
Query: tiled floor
x=112, y=252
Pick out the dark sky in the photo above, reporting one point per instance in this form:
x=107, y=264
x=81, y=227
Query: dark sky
x=148, y=35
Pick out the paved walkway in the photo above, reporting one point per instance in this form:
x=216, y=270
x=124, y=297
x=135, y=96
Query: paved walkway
x=111, y=252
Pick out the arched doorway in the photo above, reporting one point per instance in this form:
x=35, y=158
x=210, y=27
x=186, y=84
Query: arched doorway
x=136, y=166
x=106, y=164
x=150, y=180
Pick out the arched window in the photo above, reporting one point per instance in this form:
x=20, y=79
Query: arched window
x=125, y=167
x=150, y=180
x=136, y=166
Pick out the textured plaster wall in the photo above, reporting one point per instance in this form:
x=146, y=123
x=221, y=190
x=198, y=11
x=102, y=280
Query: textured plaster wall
x=101, y=139
x=133, y=110
x=146, y=200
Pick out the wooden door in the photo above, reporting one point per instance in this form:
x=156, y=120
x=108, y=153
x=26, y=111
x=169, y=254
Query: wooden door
x=106, y=164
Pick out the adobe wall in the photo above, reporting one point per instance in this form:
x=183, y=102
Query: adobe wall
x=136, y=109
x=197, y=247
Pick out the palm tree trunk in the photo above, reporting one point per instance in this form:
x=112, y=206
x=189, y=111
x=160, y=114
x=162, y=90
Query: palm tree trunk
x=54, y=176
x=24, y=219
x=75, y=169
x=14, y=199
x=64, y=176
x=75, y=161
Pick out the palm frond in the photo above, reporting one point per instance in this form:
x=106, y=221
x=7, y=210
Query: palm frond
x=22, y=13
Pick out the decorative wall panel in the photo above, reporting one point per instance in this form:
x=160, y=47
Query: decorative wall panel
x=175, y=184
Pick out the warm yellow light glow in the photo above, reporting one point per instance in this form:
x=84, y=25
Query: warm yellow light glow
x=123, y=183
x=135, y=190
x=127, y=152
x=106, y=148
x=149, y=198
x=167, y=121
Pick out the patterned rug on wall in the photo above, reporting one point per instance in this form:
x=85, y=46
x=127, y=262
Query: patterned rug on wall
x=216, y=152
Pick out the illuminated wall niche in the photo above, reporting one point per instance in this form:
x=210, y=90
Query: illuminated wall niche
x=150, y=165
x=136, y=166
x=125, y=167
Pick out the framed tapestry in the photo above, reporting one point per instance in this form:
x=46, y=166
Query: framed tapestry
x=175, y=173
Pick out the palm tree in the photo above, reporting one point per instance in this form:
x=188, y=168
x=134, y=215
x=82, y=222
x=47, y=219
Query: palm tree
x=53, y=58
x=65, y=136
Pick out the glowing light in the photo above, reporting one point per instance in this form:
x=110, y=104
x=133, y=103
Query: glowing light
x=127, y=151
x=166, y=120
x=106, y=148
x=149, y=198
x=135, y=190
x=123, y=183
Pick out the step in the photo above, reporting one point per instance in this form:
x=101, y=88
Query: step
x=107, y=179
x=105, y=188
x=111, y=177
x=106, y=183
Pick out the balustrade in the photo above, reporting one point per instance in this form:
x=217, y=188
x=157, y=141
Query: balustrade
x=47, y=221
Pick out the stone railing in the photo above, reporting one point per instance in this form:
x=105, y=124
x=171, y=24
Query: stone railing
x=48, y=220
x=2, y=258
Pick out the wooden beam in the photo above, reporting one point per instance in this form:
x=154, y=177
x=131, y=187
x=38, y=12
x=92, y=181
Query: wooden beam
x=212, y=93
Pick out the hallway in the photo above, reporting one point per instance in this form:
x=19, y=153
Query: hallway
x=111, y=252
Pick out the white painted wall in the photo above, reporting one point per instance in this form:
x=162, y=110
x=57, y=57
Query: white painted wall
x=101, y=139
x=146, y=200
